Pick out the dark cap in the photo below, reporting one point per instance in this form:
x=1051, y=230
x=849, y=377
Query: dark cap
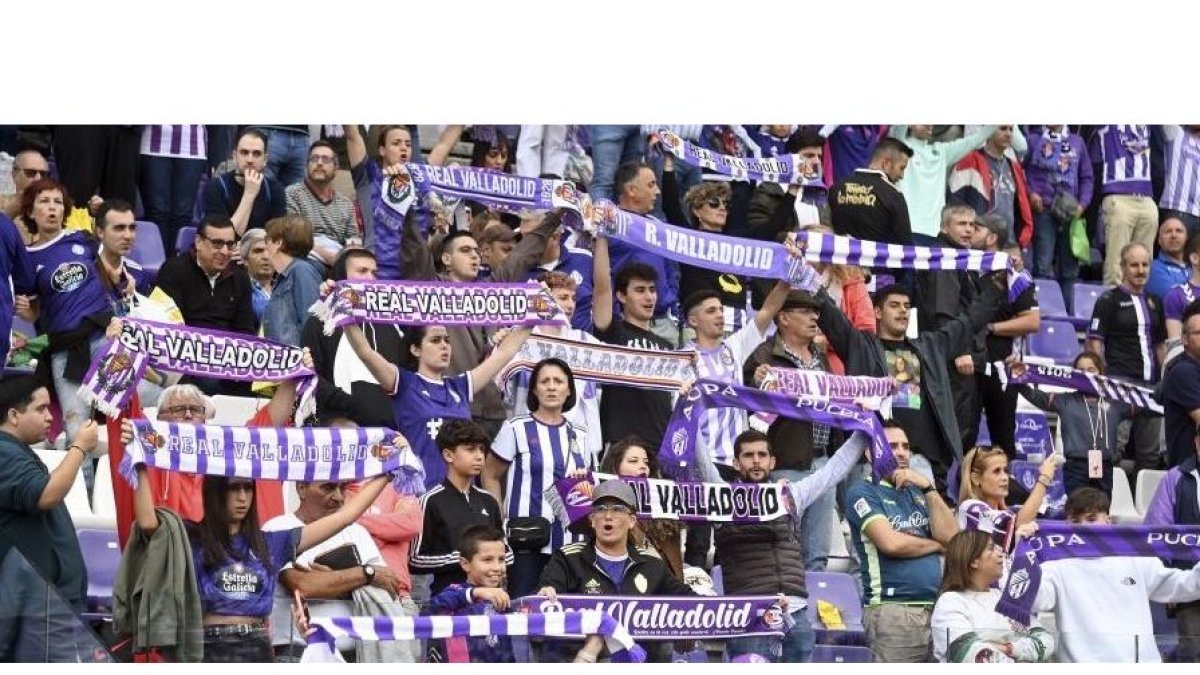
x=995, y=224
x=800, y=300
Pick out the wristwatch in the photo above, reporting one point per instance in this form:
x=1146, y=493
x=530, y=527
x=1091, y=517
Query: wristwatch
x=369, y=570
x=927, y=489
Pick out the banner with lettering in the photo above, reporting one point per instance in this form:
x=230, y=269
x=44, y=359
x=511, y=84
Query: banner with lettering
x=1087, y=383
x=675, y=618
x=605, y=364
x=437, y=303
x=678, y=457
x=204, y=352
x=839, y=250
x=677, y=500
x=309, y=454
x=326, y=630
x=1064, y=541
x=782, y=169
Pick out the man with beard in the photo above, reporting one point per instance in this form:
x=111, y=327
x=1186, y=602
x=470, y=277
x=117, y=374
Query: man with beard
x=331, y=214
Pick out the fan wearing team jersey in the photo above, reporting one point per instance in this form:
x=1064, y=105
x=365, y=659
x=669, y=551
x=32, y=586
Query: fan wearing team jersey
x=72, y=306
x=528, y=455
x=423, y=395
x=1128, y=330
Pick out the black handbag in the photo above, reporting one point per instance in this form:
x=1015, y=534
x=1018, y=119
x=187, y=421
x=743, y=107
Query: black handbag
x=528, y=534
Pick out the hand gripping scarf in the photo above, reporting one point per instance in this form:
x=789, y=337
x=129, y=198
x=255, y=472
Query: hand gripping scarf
x=1086, y=383
x=675, y=618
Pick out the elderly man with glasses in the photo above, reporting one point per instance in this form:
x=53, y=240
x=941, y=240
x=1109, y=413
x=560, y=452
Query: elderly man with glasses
x=28, y=166
x=331, y=214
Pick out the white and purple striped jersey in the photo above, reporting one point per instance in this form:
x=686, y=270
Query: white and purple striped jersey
x=183, y=141
x=538, y=454
x=1123, y=153
x=721, y=426
x=1181, y=189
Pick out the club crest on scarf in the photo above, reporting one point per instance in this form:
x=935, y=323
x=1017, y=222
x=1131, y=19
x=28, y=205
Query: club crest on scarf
x=116, y=372
x=399, y=188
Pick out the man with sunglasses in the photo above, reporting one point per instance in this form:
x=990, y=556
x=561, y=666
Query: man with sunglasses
x=28, y=166
x=210, y=292
x=331, y=214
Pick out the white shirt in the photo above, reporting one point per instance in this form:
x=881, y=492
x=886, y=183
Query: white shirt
x=960, y=612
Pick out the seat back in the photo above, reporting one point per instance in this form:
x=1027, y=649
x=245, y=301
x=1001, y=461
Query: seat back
x=1123, y=509
x=103, y=556
x=841, y=654
x=148, y=249
x=185, y=240
x=1147, y=484
x=1084, y=296
x=839, y=589
x=1050, y=298
x=1055, y=340
x=104, y=504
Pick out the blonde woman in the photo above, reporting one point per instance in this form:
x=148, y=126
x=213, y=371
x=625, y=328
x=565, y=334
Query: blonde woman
x=984, y=484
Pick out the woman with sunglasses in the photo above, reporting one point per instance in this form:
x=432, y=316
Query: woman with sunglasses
x=237, y=564
x=984, y=483
x=965, y=624
x=72, y=305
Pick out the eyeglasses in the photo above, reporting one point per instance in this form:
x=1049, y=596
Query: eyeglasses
x=33, y=173
x=611, y=508
x=715, y=203
x=221, y=243
x=193, y=410
x=321, y=159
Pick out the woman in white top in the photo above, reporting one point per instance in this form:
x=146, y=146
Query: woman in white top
x=965, y=624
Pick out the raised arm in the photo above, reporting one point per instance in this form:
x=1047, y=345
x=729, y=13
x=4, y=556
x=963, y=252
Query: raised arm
x=283, y=402
x=143, y=503
x=529, y=250
x=63, y=476
x=482, y=374
x=356, y=146
x=383, y=370
x=602, y=293
x=956, y=150
x=1033, y=503
x=445, y=144
x=324, y=528
x=771, y=306
x=831, y=473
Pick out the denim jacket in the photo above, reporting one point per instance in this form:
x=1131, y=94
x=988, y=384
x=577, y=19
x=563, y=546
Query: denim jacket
x=295, y=290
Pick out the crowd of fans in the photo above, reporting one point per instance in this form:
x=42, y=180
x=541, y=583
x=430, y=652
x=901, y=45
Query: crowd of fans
x=255, y=221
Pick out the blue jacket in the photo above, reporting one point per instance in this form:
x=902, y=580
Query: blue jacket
x=15, y=265
x=1165, y=273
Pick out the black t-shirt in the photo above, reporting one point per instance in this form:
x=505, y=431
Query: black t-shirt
x=224, y=193
x=1000, y=347
x=1129, y=326
x=630, y=410
x=865, y=205
x=912, y=407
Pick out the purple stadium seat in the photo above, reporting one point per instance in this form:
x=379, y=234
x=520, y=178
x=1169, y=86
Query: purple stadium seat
x=1085, y=298
x=841, y=654
x=185, y=240
x=1055, y=340
x=1053, y=306
x=148, y=248
x=103, y=555
x=839, y=589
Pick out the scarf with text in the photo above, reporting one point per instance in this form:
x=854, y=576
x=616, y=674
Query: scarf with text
x=308, y=454
x=782, y=169
x=1085, y=383
x=203, y=352
x=321, y=643
x=839, y=250
x=677, y=500
x=678, y=455
x=674, y=618
x=869, y=392
x=1063, y=541
x=604, y=364
x=436, y=303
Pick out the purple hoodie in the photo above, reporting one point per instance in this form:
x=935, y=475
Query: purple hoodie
x=1059, y=163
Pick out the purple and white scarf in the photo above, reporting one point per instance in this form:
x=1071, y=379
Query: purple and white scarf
x=839, y=250
x=321, y=643
x=205, y=352
x=678, y=456
x=605, y=364
x=274, y=453
x=436, y=303
x=782, y=169
x=1086, y=383
x=866, y=391
x=1063, y=541
x=674, y=618
x=678, y=500
x=725, y=254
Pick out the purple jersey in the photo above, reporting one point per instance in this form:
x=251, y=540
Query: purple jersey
x=1178, y=298
x=244, y=587
x=1123, y=153
x=422, y=405
x=67, y=283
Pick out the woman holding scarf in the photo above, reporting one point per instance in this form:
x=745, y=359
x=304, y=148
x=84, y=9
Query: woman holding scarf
x=72, y=305
x=966, y=626
x=423, y=393
x=984, y=487
x=529, y=454
x=236, y=564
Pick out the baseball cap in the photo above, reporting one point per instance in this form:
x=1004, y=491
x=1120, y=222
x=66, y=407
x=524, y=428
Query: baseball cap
x=615, y=489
